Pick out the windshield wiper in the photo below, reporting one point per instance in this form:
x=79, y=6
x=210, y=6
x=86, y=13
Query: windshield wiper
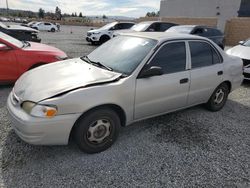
x=86, y=59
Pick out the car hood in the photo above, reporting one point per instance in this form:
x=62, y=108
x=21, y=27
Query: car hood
x=18, y=27
x=96, y=30
x=240, y=51
x=124, y=31
x=34, y=46
x=53, y=79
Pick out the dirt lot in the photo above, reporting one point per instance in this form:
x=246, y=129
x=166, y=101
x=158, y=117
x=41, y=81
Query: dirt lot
x=190, y=148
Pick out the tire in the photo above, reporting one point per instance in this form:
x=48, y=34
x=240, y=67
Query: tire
x=53, y=30
x=219, y=98
x=97, y=130
x=104, y=39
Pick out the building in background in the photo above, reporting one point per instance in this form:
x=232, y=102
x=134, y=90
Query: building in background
x=222, y=9
x=244, y=8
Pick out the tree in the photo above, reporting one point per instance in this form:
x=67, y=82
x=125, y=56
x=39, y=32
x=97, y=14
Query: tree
x=41, y=13
x=58, y=13
x=80, y=15
x=153, y=14
x=104, y=17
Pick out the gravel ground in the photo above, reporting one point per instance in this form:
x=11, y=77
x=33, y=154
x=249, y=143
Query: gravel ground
x=189, y=148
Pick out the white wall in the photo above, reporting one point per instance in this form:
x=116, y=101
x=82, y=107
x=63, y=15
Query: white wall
x=201, y=8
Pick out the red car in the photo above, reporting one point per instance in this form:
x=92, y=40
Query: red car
x=16, y=57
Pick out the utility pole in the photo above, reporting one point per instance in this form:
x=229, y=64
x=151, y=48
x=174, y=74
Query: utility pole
x=7, y=5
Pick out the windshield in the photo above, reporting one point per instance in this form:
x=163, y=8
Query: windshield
x=108, y=26
x=123, y=53
x=181, y=29
x=11, y=40
x=2, y=25
x=141, y=26
x=247, y=43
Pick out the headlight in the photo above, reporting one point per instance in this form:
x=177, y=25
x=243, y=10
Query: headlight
x=38, y=110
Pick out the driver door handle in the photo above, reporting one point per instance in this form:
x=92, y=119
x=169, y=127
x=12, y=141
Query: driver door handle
x=184, y=80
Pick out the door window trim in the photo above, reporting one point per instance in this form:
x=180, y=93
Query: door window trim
x=159, y=48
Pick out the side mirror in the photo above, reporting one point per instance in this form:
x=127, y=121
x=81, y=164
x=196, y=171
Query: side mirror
x=152, y=71
x=241, y=42
x=3, y=47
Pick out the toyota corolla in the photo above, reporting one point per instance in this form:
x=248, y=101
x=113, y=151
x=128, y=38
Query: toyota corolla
x=131, y=77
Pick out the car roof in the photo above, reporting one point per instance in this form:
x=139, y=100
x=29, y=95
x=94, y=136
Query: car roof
x=163, y=36
x=193, y=26
x=151, y=22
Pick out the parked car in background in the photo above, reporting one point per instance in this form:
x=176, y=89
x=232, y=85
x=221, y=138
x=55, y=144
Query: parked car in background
x=243, y=51
x=3, y=19
x=209, y=32
x=149, y=26
x=16, y=57
x=30, y=24
x=129, y=78
x=105, y=33
x=20, y=32
x=45, y=26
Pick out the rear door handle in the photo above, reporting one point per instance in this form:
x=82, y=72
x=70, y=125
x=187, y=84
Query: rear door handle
x=184, y=80
x=220, y=73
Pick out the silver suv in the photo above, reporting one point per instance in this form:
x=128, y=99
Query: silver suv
x=129, y=78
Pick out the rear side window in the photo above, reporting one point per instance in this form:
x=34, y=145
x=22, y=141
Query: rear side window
x=127, y=25
x=171, y=58
x=203, y=54
x=165, y=26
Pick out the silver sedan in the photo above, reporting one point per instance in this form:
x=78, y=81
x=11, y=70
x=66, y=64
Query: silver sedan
x=131, y=77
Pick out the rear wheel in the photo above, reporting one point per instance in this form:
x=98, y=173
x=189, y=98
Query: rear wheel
x=218, y=98
x=97, y=130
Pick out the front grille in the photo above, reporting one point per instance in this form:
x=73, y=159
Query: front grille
x=88, y=34
x=246, y=75
x=246, y=62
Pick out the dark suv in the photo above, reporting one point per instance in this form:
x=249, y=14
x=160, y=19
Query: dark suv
x=209, y=32
x=20, y=32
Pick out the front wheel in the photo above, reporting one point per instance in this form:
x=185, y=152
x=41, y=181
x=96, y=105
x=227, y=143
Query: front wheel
x=218, y=98
x=97, y=130
x=53, y=30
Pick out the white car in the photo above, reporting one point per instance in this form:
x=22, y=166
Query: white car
x=129, y=78
x=105, y=33
x=243, y=51
x=45, y=26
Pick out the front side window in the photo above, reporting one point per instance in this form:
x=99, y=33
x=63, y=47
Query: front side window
x=171, y=58
x=202, y=54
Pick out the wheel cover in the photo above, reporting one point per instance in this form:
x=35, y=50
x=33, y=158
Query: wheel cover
x=219, y=96
x=98, y=131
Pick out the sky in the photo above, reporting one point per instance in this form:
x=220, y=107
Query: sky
x=131, y=8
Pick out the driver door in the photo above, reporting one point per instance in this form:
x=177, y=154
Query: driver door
x=168, y=92
x=8, y=64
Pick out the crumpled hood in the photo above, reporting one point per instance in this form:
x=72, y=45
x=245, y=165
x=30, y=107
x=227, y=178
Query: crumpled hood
x=18, y=27
x=240, y=51
x=53, y=79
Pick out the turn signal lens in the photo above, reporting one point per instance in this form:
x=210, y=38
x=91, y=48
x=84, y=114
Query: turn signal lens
x=50, y=112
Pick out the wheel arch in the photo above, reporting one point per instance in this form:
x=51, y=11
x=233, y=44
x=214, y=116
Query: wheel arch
x=37, y=65
x=119, y=110
x=229, y=84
